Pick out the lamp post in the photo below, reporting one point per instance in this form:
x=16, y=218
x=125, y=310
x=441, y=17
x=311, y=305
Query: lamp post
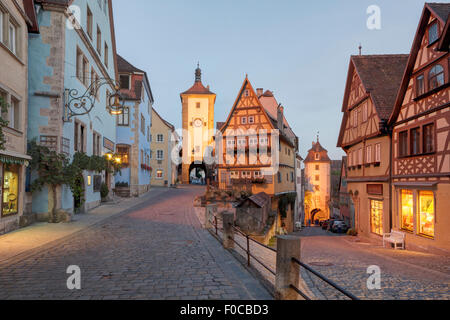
x=78, y=105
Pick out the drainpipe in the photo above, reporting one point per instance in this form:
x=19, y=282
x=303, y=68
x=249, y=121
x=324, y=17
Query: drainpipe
x=386, y=128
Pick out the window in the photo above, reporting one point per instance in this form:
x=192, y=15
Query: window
x=279, y=177
x=378, y=152
x=426, y=213
x=360, y=156
x=89, y=22
x=124, y=81
x=407, y=210
x=160, y=138
x=1, y=25
x=317, y=167
x=142, y=124
x=12, y=37
x=82, y=67
x=51, y=142
x=99, y=40
x=106, y=53
x=142, y=156
x=14, y=114
x=433, y=33
x=243, y=120
x=403, y=144
x=198, y=105
x=317, y=178
x=80, y=132
x=242, y=142
x=251, y=119
x=10, y=190
x=428, y=138
x=124, y=154
x=415, y=141
x=365, y=113
x=369, y=154
x=124, y=118
x=317, y=157
x=160, y=155
x=436, y=77
x=420, y=85
x=376, y=217
x=159, y=174
x=96, y=146
x=263, y=141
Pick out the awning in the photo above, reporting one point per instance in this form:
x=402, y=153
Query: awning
x=418, y=184
x=11, y=157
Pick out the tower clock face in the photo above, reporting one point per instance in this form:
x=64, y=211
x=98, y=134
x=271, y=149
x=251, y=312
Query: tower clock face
x=198, y=123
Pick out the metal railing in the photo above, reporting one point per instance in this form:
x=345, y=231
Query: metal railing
x=323, y=278
x=247, y=250
x=251, y=256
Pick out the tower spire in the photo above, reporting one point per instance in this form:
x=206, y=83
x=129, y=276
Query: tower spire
x=198, y=73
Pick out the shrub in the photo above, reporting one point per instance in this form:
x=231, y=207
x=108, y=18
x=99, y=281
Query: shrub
x=104, y=190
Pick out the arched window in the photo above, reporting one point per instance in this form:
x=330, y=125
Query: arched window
x=436, y=77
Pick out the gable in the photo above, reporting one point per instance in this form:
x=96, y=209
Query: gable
x=424, y=56
x=247, y=104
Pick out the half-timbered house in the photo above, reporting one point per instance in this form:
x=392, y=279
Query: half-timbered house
x=372, y=86
x=257, y=150
x=421, y=139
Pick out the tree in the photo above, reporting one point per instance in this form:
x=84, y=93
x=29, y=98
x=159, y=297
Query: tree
x=3, y=122
x=51, y=169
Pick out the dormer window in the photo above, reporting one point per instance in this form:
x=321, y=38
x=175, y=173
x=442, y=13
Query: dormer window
x=125, y=81
x=433, y=34
x=317, y=156
x=436, y=77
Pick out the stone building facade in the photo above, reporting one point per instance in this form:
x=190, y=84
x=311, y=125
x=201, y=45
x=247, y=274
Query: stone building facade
x=317, y=184
x=16, y=20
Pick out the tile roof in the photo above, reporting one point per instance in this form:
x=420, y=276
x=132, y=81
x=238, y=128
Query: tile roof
x=33, y=26
x=198, y=88
x=381, y=76
x=124, y=66
x=219, y=125
x=317, y=148
x=261, y=199
x=442, y=10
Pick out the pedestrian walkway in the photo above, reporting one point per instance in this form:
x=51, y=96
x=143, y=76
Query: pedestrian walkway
x=39, y=234
x=155, y=250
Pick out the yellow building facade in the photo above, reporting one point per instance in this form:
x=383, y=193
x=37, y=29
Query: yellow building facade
x=198, y=125
x=164, y=140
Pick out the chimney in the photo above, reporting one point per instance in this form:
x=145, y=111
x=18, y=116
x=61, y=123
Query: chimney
x=280, y=118
x=259, y=92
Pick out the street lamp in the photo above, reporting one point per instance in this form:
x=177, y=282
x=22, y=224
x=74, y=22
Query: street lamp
x=78, y=105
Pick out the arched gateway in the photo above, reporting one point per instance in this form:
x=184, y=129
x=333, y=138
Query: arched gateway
x=198, y=127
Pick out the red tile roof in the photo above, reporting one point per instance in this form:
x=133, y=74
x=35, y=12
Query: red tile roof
x=381, y=76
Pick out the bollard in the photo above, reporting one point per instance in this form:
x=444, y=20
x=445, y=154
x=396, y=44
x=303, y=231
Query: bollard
x=288, y=272
x=209, y=215
x=228, y=232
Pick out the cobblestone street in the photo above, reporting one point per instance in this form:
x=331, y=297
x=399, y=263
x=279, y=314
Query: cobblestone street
x=405, y=275
x=155, y=250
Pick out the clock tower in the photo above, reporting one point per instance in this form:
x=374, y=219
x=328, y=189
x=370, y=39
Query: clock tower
x=198, y=125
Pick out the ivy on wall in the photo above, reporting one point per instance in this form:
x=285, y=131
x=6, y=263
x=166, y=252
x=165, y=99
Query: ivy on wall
x=284, y=201
x=54, y=169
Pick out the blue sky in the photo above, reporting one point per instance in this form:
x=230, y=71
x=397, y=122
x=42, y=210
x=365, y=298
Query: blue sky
x=300, y=50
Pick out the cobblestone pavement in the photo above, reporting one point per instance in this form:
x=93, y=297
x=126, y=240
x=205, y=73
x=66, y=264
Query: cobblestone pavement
x=153, y=251
x=404, y=274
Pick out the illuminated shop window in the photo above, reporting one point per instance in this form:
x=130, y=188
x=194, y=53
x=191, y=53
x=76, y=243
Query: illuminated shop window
x=426, y=213
x=376, y=216
x=407, y=210
x=10, y=198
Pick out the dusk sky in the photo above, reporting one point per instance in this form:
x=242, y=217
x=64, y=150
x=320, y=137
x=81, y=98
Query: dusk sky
x=300, y=50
